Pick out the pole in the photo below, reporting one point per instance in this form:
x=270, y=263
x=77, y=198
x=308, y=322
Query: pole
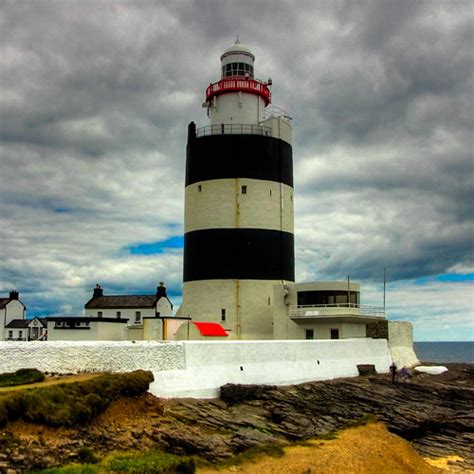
x=384, y=287
x=348, y=291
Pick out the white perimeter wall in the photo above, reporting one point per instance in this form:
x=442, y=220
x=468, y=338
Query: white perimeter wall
x=90, y=356
x=199, y=368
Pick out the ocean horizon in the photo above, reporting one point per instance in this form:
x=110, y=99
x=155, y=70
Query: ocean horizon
x=445, y=351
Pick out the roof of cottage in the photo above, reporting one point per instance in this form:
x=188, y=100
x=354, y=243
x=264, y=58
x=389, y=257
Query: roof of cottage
x=18, y=323
x=3, y=302
x=122, y=301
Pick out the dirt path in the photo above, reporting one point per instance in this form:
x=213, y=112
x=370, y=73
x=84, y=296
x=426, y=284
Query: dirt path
x=55, y=380
x=362, y=450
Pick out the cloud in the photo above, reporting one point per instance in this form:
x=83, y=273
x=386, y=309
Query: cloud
x=95, y=102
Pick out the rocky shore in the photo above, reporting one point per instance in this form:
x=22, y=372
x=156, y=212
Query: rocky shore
x=433, y=412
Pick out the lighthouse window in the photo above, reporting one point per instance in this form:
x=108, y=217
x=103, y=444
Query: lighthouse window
x=223, y=314
x=244, y=189
x=237, y=69
x=199, y=188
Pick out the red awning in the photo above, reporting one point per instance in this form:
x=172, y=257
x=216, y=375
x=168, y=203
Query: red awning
x=211, y=329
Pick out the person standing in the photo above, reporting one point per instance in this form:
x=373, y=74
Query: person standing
x=393, y=372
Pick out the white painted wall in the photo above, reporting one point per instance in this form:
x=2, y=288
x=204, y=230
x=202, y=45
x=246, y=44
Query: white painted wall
x=96, y=331
x=17, y=334
x=400, y=341
x=12, y=310
x=266, y=205
x=323, y=330
x=152, y=329
x=125, y=313
x=163, y=307
x=210, y=365
x=204, y=299
x=198, y=369
x=238, y=108
x=92, y=356
x=280, y=128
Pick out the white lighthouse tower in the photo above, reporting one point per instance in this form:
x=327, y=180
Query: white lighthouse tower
x=238, y=204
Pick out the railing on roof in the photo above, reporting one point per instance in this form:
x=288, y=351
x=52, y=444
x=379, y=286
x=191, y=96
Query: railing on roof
x=239, y=83
x=234, y=129
x=274, y=111
x=338, y=309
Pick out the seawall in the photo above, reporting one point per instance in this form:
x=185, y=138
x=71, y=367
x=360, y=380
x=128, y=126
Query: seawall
x=199, y=368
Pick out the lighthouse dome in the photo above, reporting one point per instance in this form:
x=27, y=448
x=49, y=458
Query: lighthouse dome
x=238, y=48
x=237, y=61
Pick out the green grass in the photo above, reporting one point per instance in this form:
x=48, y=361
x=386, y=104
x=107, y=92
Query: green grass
x=21, y=377
x=71, y=403
x=148, y=462
x=151, y=461
x=73, y=469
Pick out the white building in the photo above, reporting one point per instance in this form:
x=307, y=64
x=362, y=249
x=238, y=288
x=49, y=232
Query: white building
x=13, y=323
x=134, y=308
x=119, y=318
x=11, y=309
x=322, y=310
x=76, y=328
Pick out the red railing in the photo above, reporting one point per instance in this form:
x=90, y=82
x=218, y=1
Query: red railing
x=244, y=84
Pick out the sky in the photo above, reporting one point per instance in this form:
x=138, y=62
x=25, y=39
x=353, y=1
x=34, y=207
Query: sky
x=95, y=101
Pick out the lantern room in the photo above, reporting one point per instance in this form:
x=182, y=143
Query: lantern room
x=237, y=99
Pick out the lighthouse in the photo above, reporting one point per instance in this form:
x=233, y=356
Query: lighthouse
x=238, y=223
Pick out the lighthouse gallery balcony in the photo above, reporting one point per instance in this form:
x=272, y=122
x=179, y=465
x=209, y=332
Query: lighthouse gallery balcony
x=239, y=84
x=234, y=129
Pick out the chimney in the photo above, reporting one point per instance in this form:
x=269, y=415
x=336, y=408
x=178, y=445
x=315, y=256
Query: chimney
x=161, y=290
x=98, y=291
x=14, y=295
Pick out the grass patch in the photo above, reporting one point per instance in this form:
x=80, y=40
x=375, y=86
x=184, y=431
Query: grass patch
x=149, y=462
x=73, y=469
x=71, y=404
x=21, y=377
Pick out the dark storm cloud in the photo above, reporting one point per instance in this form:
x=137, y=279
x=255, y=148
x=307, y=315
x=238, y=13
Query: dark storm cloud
x=96, y=97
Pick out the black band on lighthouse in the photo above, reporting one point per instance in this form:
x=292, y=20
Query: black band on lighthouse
x=239, y=156
x=253, y=254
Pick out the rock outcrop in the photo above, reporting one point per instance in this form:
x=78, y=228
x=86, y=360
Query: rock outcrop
x=434, y=413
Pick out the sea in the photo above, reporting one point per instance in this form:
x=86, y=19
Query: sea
x=442, y=352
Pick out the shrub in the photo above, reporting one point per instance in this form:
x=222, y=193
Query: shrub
x=21, y=377
x=149, y=462
x=71, y=403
